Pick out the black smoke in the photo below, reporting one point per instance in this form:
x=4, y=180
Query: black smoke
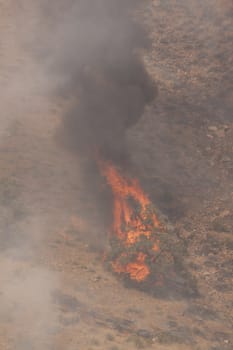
x=103, y=74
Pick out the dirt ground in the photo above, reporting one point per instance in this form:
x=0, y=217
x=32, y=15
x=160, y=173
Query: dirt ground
x=54, y=290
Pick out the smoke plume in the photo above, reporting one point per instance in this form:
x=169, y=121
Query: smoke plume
x=101, y=69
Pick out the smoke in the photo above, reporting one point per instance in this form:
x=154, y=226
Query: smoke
x=27, y=312
x=26, y=304
x=97, y=64
x=100, y=68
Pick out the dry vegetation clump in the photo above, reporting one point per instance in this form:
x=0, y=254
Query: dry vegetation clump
x=163, y=267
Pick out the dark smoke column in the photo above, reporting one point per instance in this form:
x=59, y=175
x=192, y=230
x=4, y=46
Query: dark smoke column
x=103, y=70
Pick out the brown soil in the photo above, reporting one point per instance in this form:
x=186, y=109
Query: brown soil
x=54, y=290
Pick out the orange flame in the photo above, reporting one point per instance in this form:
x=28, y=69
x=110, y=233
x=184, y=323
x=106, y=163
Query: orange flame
x=129, y=226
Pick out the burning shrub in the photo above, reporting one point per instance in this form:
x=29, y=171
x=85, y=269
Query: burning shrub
x=143, y=250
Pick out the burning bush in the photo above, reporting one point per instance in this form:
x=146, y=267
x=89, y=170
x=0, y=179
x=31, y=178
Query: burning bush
x=143, y=251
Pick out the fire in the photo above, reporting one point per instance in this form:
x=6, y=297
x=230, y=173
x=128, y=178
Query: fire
x=134, y=224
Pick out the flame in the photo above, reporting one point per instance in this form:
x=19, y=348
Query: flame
x=130, y=225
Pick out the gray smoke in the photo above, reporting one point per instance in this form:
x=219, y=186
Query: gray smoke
x=98, y=59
